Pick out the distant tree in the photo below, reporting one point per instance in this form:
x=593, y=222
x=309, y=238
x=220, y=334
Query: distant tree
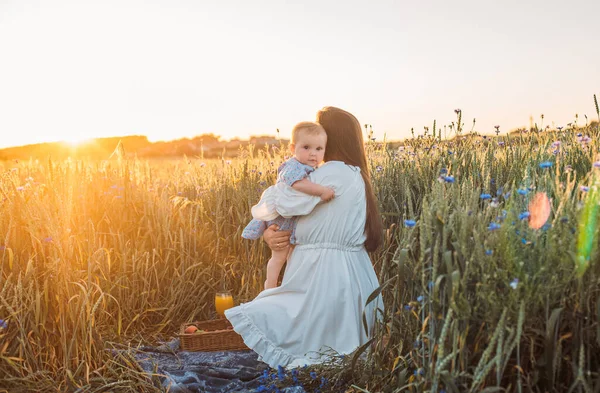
x=207, y=138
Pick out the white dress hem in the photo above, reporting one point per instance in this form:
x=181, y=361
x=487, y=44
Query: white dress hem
x=255, y=340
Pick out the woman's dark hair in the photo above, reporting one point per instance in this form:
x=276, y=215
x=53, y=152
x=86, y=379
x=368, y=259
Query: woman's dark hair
x=345, y=143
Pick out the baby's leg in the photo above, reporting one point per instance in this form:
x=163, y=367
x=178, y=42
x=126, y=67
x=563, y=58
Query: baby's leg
x=274, y=266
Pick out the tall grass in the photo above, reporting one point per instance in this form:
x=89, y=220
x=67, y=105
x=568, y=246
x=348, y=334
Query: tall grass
x=472, y=307
x=100, y=256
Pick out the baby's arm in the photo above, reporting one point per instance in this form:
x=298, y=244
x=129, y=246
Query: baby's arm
x=310, y=188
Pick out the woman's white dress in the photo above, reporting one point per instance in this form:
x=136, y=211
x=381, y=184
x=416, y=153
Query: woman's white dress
x=319, y=306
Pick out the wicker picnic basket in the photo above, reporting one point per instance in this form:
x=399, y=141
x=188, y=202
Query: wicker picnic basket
x=217, y=335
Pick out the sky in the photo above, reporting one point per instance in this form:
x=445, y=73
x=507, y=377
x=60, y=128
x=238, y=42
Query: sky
x=167, y=69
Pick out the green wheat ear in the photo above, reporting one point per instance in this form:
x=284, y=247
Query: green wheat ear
x=596, y=103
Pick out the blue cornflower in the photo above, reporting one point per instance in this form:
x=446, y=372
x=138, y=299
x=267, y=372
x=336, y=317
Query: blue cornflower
x=499, y=191
x=493, y=226
x=419, y=371
x=408, y=307
x=584, y=188
x=546, y=226
x=262, y=388
x=545, y=164
x=450, y=152
x=430, y=285
x=420, y=299
x=485, y=196
x=3, y=324
x=280, y=373
x=443, y=171
x=596, y=164
x=489, y=252
x=323, y=382
x=514, y=283
x=524, y=215
x=522, y=191
x=313, y=375
x=449, y=179
x=410, y=223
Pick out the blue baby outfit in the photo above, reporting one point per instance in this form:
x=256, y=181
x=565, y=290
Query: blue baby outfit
x=288, y=173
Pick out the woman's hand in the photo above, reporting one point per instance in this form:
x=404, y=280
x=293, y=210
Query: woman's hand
x=275, y=239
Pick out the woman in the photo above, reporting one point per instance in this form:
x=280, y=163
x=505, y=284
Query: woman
x=320, y=304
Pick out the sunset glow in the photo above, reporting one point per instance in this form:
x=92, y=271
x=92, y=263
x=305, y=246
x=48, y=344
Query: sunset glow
x=75, y=140
x=172, y=69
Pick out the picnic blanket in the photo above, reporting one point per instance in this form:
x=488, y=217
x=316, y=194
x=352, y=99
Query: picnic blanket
x=207, y=372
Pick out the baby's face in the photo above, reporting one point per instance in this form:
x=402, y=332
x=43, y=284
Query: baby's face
x=310, y=149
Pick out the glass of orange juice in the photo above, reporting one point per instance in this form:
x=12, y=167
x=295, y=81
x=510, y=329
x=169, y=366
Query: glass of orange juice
x=223, y=301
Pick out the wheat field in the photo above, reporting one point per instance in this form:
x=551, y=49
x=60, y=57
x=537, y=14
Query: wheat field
x=104, y=255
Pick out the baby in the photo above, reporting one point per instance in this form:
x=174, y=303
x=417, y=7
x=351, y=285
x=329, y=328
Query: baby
x=308, y=147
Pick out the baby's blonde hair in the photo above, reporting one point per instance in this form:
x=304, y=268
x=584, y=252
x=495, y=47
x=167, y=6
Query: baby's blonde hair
x=306, y=127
